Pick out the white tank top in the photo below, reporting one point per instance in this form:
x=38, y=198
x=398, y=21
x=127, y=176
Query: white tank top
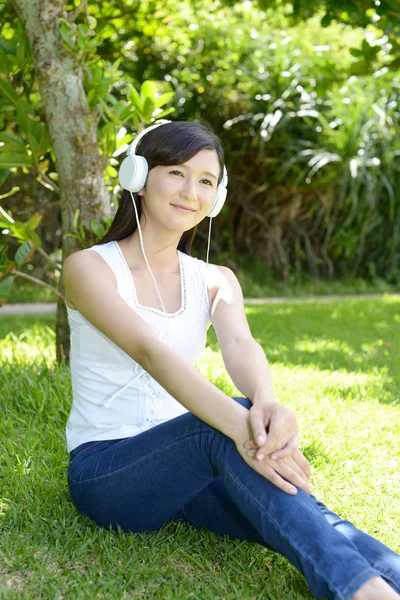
x=110, y=401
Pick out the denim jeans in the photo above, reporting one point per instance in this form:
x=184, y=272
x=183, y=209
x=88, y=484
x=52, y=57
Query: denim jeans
x=186, y=470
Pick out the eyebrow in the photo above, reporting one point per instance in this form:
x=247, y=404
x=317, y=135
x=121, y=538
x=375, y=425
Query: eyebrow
x=204, y=172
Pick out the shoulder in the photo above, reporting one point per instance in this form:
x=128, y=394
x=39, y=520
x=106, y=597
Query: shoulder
x=222, y=282
x=80, y=261
x=81, y=266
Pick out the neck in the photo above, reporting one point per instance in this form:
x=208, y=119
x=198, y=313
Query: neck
x=161, y=252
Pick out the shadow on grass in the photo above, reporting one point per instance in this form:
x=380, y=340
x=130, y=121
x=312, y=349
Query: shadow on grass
x=354, y=336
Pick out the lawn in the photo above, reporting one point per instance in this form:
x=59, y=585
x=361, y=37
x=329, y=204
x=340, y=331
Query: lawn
x=335, y=363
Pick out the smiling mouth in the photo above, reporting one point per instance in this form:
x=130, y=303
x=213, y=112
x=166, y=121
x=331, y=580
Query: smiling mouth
x=182, y=209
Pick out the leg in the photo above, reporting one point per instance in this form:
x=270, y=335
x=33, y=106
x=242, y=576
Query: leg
x=140, y=483
x=379, y=556
x=214, y=510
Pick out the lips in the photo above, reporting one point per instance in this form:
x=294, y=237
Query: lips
x=185, y=208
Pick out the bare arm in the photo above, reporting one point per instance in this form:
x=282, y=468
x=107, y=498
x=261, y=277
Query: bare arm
x=248, y=367
x=92, y=289
x=274, y=427
x=243, y=356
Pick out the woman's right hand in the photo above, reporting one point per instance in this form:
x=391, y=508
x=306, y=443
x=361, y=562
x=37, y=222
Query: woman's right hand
x=286, y=473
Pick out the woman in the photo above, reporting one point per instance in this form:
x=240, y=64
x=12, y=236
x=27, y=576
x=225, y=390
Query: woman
x=150, y=439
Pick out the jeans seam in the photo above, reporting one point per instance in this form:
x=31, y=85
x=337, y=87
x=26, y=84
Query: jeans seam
x=137, y=461
x=338, y=595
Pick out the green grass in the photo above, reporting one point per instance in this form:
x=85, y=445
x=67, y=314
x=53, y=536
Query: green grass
x=334, y=363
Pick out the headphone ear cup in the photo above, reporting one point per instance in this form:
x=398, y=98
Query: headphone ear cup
x=218, y=202
x=133, y=172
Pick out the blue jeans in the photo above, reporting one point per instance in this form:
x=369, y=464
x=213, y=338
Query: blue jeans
x=184, y=469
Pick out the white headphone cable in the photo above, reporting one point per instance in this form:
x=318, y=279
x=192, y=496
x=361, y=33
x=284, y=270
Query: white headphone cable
x=108, y=400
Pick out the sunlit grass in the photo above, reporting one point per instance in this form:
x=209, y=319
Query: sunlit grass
x=334, y=363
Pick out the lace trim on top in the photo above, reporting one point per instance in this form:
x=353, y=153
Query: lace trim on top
x=150, y=308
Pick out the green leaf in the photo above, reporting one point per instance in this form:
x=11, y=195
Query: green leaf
x=75, y=221
x=34, y=238
x=5, y=265
x=148, y=90
x=24, y=115
x=163, y=99
x=4, y=224
x=34, y=221
x=92, y=22
x=18, y=230
x=134, y=97
x=34, y=144
x=5, y=63
x=21, y=50
x=165, y=112
x=97, y=228
x=5, y=287
x=14, y=142
x=23, y=253
x=148, y=109
x=4, y=174
x=44, y=140
x=8, y=161
x=90, y=95
x=8, y=91
x=126, y=113
x=326, y=20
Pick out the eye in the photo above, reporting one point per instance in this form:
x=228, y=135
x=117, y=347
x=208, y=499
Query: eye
x=180, y=173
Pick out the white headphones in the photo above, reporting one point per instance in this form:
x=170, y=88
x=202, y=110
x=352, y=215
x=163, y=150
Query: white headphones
x=133, y=172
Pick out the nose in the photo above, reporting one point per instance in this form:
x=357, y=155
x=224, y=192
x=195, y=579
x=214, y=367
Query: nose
x=189, y=189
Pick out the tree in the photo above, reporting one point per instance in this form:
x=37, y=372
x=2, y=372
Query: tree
x=72, y=125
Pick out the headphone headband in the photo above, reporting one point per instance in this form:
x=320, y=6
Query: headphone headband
x=132, y=146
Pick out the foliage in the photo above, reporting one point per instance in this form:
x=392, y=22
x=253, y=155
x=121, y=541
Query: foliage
x=29, y=240
x=308, y=115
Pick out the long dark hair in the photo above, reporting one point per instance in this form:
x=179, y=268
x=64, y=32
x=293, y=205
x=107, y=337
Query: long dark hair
x=169, y=144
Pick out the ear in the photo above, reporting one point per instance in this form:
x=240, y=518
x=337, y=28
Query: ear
x=139, y=193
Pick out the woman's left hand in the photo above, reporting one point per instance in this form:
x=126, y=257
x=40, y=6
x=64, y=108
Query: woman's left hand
x=276, y=425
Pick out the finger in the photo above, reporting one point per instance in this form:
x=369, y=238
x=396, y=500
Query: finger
x=274, y=440
x=288, y=450
x=284, y=453
x=280, y=483
x=250, y=444
x=258, y=424
x=286, y=424
x=294, y=478
x=291, y=463
x=303, y=463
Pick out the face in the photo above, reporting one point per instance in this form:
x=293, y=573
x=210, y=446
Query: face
x=192, y=184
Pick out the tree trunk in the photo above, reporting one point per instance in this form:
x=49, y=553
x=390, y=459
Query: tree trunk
x=72, y=129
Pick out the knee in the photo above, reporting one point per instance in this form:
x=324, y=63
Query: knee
x=243, y=401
